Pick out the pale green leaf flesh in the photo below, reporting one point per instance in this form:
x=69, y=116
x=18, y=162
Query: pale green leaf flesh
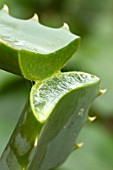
x=37, y=146
x=63, y=102
x=44, y=96
x=34, y=50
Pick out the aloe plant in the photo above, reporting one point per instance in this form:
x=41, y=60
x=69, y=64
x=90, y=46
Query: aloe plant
x=58, y=103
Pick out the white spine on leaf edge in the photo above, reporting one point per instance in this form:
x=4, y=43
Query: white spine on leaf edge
x=91, y=119
x=5, y=9
x=35, y=18
x=102, y=91
x=66, y=26
x=79, y=145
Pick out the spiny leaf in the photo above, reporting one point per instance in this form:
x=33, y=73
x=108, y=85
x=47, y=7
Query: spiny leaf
x=19, y=150
x=63, y=102
x=34, y=50
x=45, y=95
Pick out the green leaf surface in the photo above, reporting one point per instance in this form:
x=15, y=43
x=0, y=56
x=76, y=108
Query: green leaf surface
x=96, y=153
x=65, y=98
x=25, y=134
x=13, y=94
x=44, y=96
x=19, y=150
x=34, y=50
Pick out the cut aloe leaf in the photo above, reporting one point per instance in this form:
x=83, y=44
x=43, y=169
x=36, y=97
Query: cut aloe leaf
x=34, y=50
x=63, y=102
x=45, y=96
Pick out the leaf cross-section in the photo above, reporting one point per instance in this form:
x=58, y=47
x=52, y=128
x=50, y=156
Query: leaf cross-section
x=62, y=102
x=33, y=50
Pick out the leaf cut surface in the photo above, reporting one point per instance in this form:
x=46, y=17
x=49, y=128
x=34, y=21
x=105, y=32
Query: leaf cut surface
x=34, y=50
x=62, y=103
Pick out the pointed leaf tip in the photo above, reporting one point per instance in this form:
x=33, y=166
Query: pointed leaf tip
x=5, y=9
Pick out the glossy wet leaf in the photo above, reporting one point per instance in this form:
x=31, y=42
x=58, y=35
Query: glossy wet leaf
x=19, y=150
x=46, y=132
x=45, y=95
x=13, y=94
x=34, y=50
x=66, y=101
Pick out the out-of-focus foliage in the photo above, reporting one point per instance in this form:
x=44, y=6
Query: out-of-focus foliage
x=96, y=153
x=95, y=56
x=13, y=94
x=93, y=21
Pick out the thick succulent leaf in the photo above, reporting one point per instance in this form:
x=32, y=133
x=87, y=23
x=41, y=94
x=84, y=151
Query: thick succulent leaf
x=97, y=152
x=44, y=96
x=33, y=50
x=27, y=129
x=65, y=98
x=21, y=145
x=13, y=94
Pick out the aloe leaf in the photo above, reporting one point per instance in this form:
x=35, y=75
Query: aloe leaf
x=34, y=50
x=20, y=148
x=62, y=102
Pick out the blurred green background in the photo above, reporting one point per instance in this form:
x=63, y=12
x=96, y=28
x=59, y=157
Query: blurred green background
x=93, y=21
